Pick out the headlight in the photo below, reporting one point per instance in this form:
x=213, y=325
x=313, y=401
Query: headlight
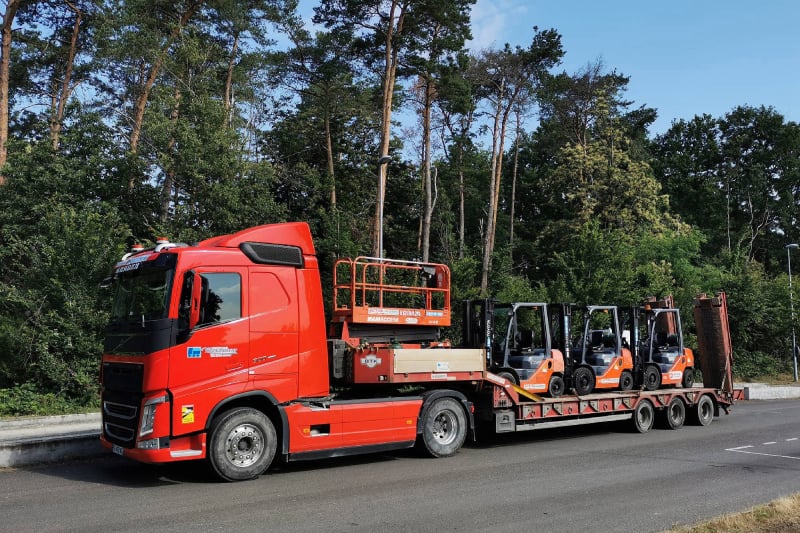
x=149, y=414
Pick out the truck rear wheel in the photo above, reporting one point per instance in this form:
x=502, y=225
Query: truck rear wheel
x=444, y=427
x=703, y=411
x=643, y=416
x=242, y=444
x=674, y=414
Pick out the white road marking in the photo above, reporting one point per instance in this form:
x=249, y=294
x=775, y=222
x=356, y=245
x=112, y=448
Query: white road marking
x=741, y=449
x=790, y=440
x=768, y=443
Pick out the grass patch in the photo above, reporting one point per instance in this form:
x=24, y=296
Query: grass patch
x=771, y=379
x=779, y=516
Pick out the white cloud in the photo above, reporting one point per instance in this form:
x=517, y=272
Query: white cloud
x=493, y=22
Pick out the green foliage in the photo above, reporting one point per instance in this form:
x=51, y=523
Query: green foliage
x=236, y=133
x=28, y=399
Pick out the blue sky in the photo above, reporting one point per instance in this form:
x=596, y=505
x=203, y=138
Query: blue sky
x=683, y=57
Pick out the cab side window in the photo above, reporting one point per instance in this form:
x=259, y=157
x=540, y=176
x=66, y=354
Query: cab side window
x=221, y=297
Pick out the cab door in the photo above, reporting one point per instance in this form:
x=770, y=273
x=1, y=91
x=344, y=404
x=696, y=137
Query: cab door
x=212, y=362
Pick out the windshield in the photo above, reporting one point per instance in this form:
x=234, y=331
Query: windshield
x=142, y=294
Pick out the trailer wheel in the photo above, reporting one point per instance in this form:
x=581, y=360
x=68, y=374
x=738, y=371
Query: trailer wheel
x=626, y=380
x=583, y=381
x=703, y=412
x=652, y=377
x=444, y=427
x=556, y=386
x=674, y=414
x=643, y=416
x=688, y=378
x=242, y=444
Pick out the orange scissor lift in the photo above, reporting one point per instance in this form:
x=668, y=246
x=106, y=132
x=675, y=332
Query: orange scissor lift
x=386, y=323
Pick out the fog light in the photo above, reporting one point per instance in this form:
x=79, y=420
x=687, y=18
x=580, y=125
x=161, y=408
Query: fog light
x=150, y=444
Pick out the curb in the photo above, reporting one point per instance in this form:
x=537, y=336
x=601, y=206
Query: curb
x=32, y=440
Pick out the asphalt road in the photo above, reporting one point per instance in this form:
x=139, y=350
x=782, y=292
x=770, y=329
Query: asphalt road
x=594, y=478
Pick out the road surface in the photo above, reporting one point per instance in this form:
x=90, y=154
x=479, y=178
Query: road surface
x=595, y=478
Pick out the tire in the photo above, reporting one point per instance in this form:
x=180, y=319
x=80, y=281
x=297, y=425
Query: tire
x=626, y=380
x=444, y=428
x=643, y=416
x=242, y=444
x=674, y=414
x=505, y=374
x=583, y=381
x=556, y=386
x=688, y=378
x=652, y=377
x=702, y=413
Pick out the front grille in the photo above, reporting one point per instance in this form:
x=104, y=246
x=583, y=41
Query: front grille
x=122, y=396
x=119, y=410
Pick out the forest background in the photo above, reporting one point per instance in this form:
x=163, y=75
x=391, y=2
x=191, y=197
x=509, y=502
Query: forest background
x=123, y=120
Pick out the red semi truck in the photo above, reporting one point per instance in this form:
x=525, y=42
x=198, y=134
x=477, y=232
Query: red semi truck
x=219, y=351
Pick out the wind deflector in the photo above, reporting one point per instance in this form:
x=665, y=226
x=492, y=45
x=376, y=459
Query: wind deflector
x=273, y=254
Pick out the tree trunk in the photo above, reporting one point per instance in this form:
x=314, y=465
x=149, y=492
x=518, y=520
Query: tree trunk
x=66, y=90
x=228, y=97
x=141, y=101
x=427, y=213
x=514, y=184
x=494, y=187
x=389, y=74
x=329, y=154
x=169, y=179
x=5, y=69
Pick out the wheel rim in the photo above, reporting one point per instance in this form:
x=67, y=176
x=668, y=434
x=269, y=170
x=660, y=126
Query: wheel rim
x=705, y=410
x=244, y=445
x=675, y=412
x=445, y=427
x=644, y=416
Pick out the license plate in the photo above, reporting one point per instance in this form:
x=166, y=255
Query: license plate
x=119, y=450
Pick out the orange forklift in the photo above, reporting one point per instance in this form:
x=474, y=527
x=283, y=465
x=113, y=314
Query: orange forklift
x=599, y=359
x=518, y=342
x=665, y=361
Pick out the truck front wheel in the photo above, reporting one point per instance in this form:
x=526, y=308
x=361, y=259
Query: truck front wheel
x=242, y=444
x=444, y=427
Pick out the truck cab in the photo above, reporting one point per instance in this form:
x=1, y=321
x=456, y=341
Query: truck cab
x=195, y=328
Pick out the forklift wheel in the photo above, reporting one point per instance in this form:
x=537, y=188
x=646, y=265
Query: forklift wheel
x=583, y=381
x=625, y=380
x=652, y=378
x=688, y=378
x=556, y=387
